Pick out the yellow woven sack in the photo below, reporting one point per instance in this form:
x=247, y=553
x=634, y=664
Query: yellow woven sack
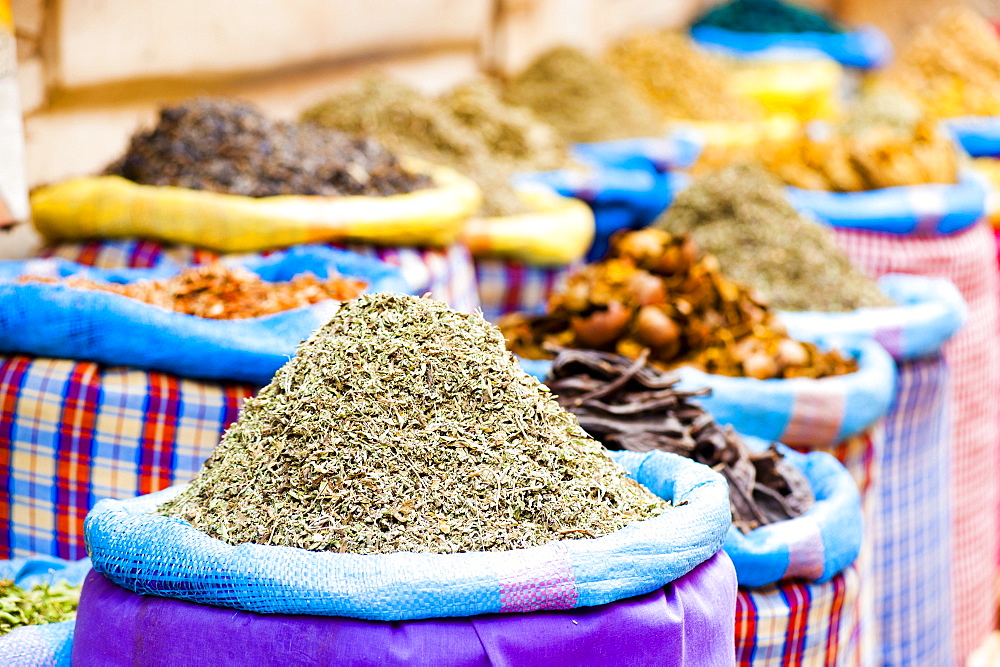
x=112, y=207
x=806, y=89
x=558, y=231
x=737, y=134
x=990, y=168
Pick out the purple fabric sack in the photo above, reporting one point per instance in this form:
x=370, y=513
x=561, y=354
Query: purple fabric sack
x=688, y=622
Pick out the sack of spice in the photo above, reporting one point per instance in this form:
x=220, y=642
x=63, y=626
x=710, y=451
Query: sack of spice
x=234, y=321
x=221, y=175
x=910, y=576
x=752, y=27
x=388, y=435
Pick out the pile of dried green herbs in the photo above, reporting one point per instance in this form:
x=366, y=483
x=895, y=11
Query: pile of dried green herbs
x=630, y=405
x=44, y=603
x=582, y=98
x=221, y=145
x=740, y=215
x=469, y=129
x=402, y=425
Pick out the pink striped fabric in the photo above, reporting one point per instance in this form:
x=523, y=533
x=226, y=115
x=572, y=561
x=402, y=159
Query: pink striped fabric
x=969, y=260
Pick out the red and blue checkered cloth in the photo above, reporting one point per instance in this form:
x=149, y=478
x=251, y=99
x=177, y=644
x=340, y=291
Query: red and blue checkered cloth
x=506, y=286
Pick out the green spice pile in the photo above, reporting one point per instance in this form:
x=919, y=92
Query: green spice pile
x=680, y=81
x=582, y=98
x=225, y=146
x=630, y=405
x=767, y=16
x=36, y=606
x=469, y=129
x=402, y=425
x=740, y=215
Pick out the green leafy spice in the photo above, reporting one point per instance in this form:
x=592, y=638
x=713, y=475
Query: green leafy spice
x=36, y=606
x=402, y=425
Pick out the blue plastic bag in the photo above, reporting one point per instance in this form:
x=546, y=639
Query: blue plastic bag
x=931, y=209
x=799, y=411
x=156, y=555
x=979, y=136
x=51, y=320
x=865, y=48
x=815, y=546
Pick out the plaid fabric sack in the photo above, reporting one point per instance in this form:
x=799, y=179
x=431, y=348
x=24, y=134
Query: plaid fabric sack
x=447, y=274
x=910, y=532
x=967, y=259
x=506, y=286
x=800, y=623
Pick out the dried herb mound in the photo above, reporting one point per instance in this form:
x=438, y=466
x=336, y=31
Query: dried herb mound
x=654, y=291
x=630, y=405
x=216, y=291
x=680, y=81
x=582, y=98
x=225, y=146
x=36, y=606
x=740, y=215
x=767, y=16
x=411, y=123
x=402, y=425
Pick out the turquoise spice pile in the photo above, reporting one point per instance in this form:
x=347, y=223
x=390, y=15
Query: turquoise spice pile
x=402, y=425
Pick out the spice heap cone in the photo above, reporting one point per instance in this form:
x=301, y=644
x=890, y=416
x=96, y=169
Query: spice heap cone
x=402, y=425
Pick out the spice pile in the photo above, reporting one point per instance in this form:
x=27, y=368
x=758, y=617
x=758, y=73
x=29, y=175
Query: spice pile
x=652, y=291
x=224, y=146
x=36, y=606
x=681, y=82
x=631, y=405
x=952, y=65
x=218, y=292
x=583, y=99
x=402, y=425
x=470, y=129
x=740, y=215
x=766, y=16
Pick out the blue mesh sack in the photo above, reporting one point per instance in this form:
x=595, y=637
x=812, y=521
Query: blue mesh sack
x=156, y=555
x=930, y=209
x=51, y=320
x=979, y=136
x=865, y=48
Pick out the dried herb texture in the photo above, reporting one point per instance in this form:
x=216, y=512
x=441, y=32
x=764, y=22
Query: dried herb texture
x=582, y=98
x=218, y=292
x=740, y=215
x=630, y=405
x=653, y=291
x=225, y=146
x=404, y=426
x=680, y=81
x=36, y=606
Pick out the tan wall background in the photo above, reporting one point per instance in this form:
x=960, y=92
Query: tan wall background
x=92, y=71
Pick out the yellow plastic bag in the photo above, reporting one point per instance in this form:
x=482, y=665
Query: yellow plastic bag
x=558, y=231
x=806, y=89
x=113, y=207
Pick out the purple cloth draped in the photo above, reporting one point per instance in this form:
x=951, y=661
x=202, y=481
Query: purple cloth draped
x=688, y=622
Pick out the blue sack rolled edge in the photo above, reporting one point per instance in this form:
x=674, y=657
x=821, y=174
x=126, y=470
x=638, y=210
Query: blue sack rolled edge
x=865, y=48
x=800, y=411
x=50, y=644
x=928, y=313
x=929, y=209
x=979, y=136
x=814, y=546
x=50, y=320
x=156, y=555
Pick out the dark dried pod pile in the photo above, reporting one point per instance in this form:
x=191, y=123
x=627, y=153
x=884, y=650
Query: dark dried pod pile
x=631, y=405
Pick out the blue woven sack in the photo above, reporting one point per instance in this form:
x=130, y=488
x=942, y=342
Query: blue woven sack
x=931, y=209
x=47, y=645
x=52, y=320
x=865, y=48
x=156, y=555
x=928, y=313
x=815, y=546
x=979, y=136
x=799, y=411
x=620, y=198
